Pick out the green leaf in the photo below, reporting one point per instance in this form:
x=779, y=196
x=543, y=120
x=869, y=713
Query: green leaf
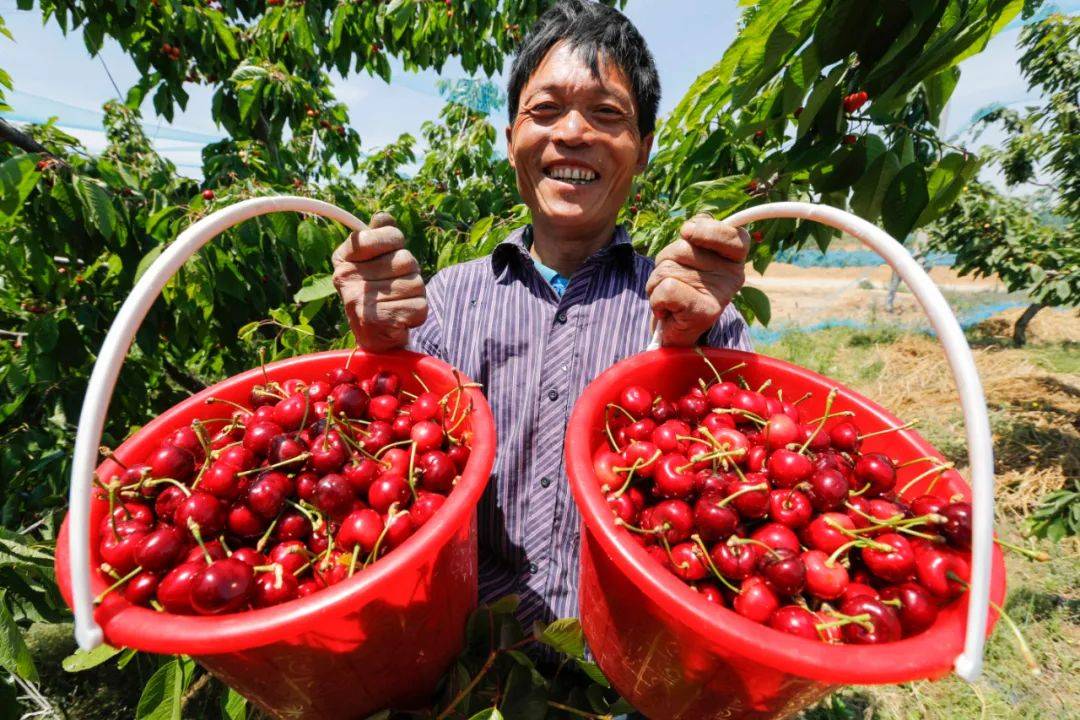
x=163, y=694
x=946, y=181
x=758, y=303
x=18, y=176
x=939, y=89
x=233, y=706
x=96, y=203
x=316, y=287
x=593, y=671
x=488, y=714
x=82, y=660
x=148, y=260
x=843, y=168
x=14, y=655
x=869, y=190
x=819, y=100
x=479, y=229
x=564, y=635
x=905, y=200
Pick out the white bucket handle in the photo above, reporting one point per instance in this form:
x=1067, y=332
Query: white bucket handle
x=976, y=423
x=99, y=391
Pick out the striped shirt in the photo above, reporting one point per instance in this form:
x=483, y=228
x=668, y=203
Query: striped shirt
x=498, y=321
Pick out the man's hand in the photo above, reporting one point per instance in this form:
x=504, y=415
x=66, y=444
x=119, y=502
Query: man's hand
x=379, y=281
x=696, y=277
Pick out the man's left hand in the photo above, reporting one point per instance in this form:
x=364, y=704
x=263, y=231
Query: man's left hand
x=696, y=277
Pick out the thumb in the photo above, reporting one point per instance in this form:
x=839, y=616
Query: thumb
x=382, y=219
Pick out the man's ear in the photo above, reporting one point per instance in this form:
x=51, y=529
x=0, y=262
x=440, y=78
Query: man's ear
x=510, y=145
x=643, y=155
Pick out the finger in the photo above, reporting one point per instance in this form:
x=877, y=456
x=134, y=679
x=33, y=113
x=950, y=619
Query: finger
x=723, y=238
x=396, y=264
x=683, y=253
x=371, y=243
x=682, y=313
x=382, y=219
x=400, y=288
x=404, y=313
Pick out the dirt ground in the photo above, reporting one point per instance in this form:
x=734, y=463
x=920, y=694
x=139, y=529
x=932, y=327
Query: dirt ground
x=802, y=296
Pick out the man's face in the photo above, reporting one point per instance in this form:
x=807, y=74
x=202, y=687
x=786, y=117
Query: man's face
x=570, y=123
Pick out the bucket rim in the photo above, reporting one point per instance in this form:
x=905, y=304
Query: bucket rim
x=928, y=655
x=128, y=625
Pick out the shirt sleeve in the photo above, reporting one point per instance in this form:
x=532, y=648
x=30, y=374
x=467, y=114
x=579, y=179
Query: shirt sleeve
x=730, y=331
x=427, y=338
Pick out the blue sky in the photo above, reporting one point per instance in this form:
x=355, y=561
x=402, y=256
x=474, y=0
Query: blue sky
x=54, y=75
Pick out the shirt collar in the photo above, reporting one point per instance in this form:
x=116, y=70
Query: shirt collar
x=620, y=250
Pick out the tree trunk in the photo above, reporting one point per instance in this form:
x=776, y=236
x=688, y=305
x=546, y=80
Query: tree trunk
x=1020, y=330
x=890, y=298
x=10, y=133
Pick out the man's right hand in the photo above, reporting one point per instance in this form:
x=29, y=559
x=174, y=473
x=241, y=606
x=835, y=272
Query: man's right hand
x=379, y=281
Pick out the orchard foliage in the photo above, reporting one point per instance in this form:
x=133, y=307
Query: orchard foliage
x=835, y=101
x=780, y=117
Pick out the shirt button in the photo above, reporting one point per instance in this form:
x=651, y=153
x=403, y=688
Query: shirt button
x=534, y=568
x=545, y=481
x=561, y=318
x=553, y=394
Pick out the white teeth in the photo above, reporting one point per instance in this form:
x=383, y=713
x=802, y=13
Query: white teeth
x=574, y=175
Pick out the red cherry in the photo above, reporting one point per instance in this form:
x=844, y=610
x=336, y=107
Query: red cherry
x=845, y=437
x=333, y=495
x=828, y=490
x=425, y=505
x=388, y=489
x=291, y=555
x=875, y=470
x=159, y=549
x=957, y=526
x=736, y=562
x=340, y=376
x=756, y=601
x=208, y=194
x=672, y=476
x=251, y=556
x=783, y=570
x=274, y=588
x=796, y=620
x=790, y=508
x=823, y=580
x=777, y=536
x=397, y=461
x=221, y=480
x=140, y=590
x=720, y=395
x=821, y=534
x=934, y=568
x=675, y=518
x=267, y=495
x=750, y=496
x=427, y=435
x=168, y=500
x=750, y=402
x=170, y=461
x=636, y=400
x=781, y=431
x=360, y=528
x=118, y=548
x=666, y=436
x=328, y=452
x=437, y=471
x=244, y=522
x=688, y=562
x=349, y=400
x=286, y=448
x=623, y=507
x=174, y=590
x=662, y=411
x=223, y=586
x=292, y=525
x=384, y=407
x=360, y=474
x=398, y=529
x=258, y=435
x=691, y=408
x=787, y=468
x=291, y=412
x=895, y=566
x=202, y=510
x=239, y=457
x=714, y=520
x=385, y=382
x=884, y=622
x=186, y=438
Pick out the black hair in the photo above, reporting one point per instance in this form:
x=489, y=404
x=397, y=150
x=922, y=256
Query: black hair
x=590, y=29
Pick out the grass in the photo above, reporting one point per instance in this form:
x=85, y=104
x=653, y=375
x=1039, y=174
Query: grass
x=1034, y=398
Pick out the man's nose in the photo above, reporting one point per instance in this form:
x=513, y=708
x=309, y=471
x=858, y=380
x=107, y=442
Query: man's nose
x=572, y=128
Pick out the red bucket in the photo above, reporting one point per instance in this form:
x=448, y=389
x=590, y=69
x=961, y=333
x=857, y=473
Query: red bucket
x=668, y=650
x=379, y=639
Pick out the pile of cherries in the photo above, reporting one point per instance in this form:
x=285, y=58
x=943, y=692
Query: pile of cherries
x=310, y=484
x=773, y=510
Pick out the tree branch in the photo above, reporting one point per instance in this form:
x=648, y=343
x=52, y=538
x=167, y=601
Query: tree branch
x=15, y=136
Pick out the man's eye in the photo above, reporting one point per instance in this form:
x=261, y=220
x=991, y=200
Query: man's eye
x=544, y=106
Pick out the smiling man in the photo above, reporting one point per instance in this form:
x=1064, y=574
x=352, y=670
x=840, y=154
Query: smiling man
x=560, y=300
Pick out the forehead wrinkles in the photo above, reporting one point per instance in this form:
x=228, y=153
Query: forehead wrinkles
x=578, y=77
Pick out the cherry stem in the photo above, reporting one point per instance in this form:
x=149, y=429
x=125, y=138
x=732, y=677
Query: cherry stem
x=633, y=528
x=804, y=397
x=764, y=385
x=266, y=535
x=712, y=567
x=1037, y=555
x=706, y=457
x=420, y=380
x=299, y=459
x=1029, y=657
x=607, y=429
x=411, y=396
x=838, y=413
x=865, y=542
x=117, y=584
x=862, y=620
x=393, y=513
x=313, y=514
x=412, y=472
x=924, y=458
x=734, y=540
x=352, y=559
x=828, y=406
x=752, y=417
x=170, y=481
x=936, y=469
x=193, y=528
x=348, y=360
x=360, y=449
x=217, y=400
x=743, y=491
x=399, y=443
x=831, y=560
x=108, y=454
x=886, y=431
x=623, y=410
x=708, y=362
